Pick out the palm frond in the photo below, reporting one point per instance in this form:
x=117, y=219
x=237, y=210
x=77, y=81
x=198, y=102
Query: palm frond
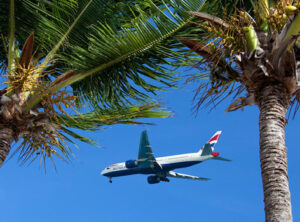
x=119, y=58
x=44, y=138
x=24, y=24
x=99, y=118
x=108, y=64
x=113, y=60
x=11, y=41
x=241, y=53
x=72, y=19
x=211, y=93
x=219, y=46
x=77, y=137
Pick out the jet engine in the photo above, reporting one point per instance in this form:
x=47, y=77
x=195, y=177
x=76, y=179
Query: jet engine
x=131, y=163
x=153, y=179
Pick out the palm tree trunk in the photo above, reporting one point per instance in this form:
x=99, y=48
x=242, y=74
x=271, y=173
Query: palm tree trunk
x=6, y=138
x=273, y=102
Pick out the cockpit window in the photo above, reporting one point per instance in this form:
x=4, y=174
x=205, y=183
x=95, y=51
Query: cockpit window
x=107, y=167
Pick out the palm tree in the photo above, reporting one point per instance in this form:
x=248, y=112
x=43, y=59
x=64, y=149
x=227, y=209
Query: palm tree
x=82, y=65
x=254, y=56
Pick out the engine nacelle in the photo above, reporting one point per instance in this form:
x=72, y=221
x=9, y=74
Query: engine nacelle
x=131, y=163
x=153, y=179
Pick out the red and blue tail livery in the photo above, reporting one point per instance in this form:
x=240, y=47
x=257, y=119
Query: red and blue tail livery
x=162, y=167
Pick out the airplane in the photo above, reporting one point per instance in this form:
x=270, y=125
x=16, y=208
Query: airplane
x=162, y=167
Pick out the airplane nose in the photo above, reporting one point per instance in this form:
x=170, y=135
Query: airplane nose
x=103, y=172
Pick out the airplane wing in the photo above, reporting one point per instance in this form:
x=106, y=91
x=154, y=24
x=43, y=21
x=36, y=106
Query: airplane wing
x=146, y=158
x=184, y=176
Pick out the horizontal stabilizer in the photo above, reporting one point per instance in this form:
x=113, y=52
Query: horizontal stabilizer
x=184, y=176
x=220, y=158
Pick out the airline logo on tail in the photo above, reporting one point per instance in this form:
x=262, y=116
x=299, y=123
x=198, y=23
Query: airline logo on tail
x=214, y=139
x=209, y=147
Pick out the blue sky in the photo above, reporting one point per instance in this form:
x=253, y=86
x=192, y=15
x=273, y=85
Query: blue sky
x=77, y=192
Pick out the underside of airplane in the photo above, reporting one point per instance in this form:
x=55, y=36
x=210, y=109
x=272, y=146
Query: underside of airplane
x=162, y=167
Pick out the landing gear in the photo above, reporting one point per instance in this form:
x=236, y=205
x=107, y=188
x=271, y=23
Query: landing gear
x=110, y=181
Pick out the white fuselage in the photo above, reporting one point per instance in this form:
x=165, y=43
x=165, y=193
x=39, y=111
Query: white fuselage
x=166, y=164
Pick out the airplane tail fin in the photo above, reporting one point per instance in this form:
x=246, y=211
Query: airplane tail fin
x=206, y=150
x=214, y=139
x=209, y=147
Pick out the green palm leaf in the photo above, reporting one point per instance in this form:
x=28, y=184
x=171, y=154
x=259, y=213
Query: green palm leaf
x=109, y=63
x=113, y=115
x=11, y=42
x=110, y=68
x=44, y=145
x=100, y=118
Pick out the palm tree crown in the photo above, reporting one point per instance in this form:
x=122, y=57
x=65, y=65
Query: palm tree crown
x=64, y=54
x=250, y=50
